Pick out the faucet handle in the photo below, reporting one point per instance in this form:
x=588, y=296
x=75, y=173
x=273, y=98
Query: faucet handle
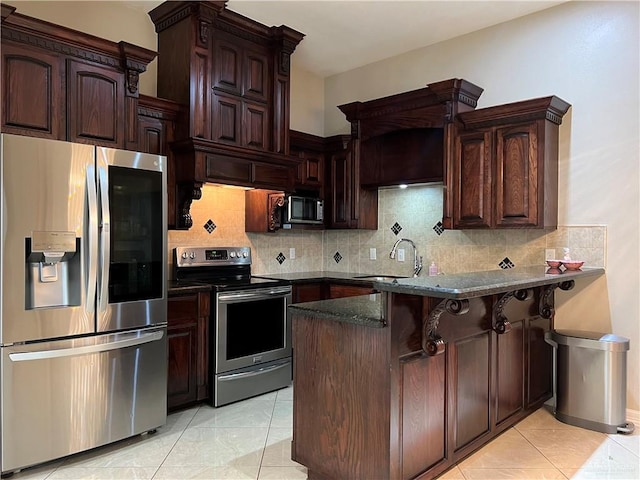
x=418, y=267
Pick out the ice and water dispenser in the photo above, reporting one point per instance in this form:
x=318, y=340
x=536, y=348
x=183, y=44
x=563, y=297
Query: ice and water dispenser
x=52, y=270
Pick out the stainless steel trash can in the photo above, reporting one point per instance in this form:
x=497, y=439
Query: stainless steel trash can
x=591, y=380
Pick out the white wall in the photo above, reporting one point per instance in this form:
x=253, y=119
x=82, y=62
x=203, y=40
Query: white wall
x=587, y=53
x=307, y=101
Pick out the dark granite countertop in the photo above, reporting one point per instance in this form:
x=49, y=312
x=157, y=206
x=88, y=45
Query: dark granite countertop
x=478, y=284
x=300, y=277
x=176, y=287
x=365, y=310
x=460, y=285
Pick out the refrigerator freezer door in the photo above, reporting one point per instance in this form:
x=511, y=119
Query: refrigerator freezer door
x=64, y=397
x=47, y=187
x=133, y=240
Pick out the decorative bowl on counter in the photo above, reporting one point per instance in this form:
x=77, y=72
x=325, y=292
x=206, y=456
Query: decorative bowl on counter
x=572, y=264
x=554, y=263
x=553, y=271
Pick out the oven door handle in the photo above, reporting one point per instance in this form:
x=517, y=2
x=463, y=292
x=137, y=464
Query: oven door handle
x=254, y=294
x=253, y=373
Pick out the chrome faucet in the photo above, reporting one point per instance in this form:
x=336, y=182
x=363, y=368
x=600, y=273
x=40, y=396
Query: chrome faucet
x=417, y=261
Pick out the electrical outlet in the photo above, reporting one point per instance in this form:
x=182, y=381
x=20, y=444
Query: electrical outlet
x=292, y=253
x=401, y=254
x=372, y=253
x=550, y=254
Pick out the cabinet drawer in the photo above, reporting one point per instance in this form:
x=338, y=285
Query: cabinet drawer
x=182, y=309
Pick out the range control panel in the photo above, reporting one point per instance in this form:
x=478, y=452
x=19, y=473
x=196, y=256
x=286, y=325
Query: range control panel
x=211, y=256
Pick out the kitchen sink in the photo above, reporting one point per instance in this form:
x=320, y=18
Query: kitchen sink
x=379, y=278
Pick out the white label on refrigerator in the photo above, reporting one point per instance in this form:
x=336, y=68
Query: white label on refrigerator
x=53, y=241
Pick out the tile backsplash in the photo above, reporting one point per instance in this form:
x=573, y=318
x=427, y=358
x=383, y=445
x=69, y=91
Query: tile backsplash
x=414, y=213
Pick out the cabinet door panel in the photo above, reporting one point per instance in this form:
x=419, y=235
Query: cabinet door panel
x=95, y=97
x=256, y=75
x=423, y=413
x=32, y=97
x=341, y=189
x=151, y=136
x=187, y=333
x=181, y=381
x=517, y=176
x=472, y=180
x=226, y=120
x=540, y=364
x=313, y=169
x=227, y=67
x=510, y=372
x=256, y=126
x=472, y=382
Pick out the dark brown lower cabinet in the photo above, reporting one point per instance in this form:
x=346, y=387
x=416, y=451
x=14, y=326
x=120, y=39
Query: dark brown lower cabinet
x=187, y=333
x=370, y=403
x=340, y=290
x=313, y=291
x=309, y=292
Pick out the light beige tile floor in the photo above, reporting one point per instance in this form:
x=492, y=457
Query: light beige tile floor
x=252, y=440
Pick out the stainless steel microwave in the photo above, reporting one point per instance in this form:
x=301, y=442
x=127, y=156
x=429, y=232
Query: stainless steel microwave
x=303, y=210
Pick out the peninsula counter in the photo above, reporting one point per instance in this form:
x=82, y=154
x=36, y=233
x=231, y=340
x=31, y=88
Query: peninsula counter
x=404, y=383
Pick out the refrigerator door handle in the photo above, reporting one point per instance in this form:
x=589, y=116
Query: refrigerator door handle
x=105, y=256
x=75, y=351
x=91, y=257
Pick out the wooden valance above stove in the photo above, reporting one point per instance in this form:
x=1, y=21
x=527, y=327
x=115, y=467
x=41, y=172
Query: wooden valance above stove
x=233, y=73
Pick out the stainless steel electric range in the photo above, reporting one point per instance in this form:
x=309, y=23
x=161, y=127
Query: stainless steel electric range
x=250, y=343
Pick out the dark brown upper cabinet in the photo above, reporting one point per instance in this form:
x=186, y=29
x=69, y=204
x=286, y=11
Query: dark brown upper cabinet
x=34, y=79
x=95, y=104
x=63, y=84
x=232, y=74
x=404, y=138
x=505, y=167
x=157, y=122
x=310, y=149
x=347, y=204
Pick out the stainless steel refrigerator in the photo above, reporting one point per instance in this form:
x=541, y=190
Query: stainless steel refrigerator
x=83, y=291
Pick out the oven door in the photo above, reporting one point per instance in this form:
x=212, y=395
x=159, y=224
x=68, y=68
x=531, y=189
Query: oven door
x=252, y=327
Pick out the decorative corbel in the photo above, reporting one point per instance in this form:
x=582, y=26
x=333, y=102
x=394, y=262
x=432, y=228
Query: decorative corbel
x=133, y=77
x=186, y=193
x=203, y=32
x=546, y=307
x=134, y=61
x=276, y=202
x=432, y=343
x=500, y=323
